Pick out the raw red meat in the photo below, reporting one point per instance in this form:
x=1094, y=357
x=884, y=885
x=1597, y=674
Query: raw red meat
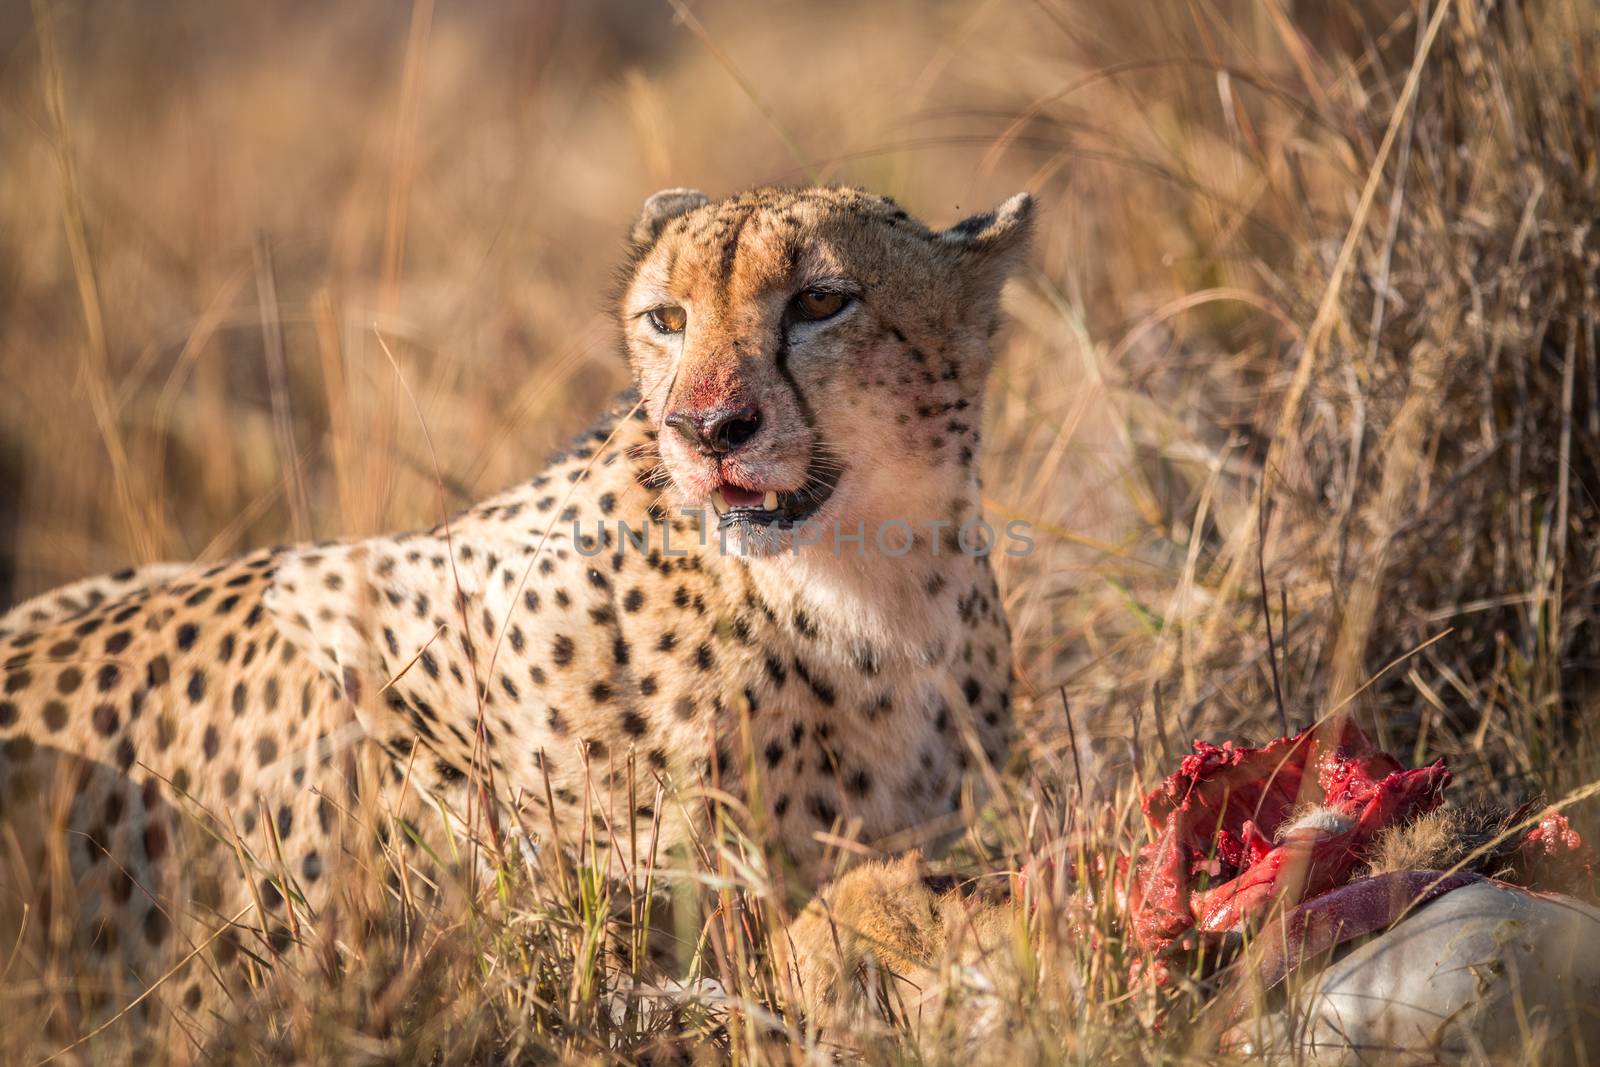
x=1220, y=861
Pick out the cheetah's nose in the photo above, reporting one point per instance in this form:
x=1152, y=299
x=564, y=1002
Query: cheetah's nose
x=717, y=431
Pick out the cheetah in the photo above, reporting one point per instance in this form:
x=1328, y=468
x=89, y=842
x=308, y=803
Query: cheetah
x=755, y=572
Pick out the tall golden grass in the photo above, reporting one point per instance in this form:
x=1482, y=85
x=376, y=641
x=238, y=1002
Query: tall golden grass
x=1302, y=396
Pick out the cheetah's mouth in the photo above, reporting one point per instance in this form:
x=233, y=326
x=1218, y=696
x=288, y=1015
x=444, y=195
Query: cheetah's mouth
x=738, y=506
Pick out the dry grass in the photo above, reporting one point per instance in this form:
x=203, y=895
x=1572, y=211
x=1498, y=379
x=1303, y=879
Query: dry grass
x=1309, y=349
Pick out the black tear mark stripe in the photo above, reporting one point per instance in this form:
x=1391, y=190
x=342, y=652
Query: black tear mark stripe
x=820, y=449
x=780, y=359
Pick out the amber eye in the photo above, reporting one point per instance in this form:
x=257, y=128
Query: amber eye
x=814, y=305
x=669, y=319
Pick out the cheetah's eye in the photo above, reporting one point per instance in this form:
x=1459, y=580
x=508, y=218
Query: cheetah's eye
x=668, y=319
x=814, y=305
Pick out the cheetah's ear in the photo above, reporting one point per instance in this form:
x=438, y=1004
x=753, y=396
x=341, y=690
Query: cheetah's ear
x=997, y=239
x=662, y=208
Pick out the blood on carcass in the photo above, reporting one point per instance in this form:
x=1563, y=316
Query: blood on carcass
x=1218, y=863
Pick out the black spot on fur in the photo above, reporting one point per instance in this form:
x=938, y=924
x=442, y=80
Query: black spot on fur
x=561, y=649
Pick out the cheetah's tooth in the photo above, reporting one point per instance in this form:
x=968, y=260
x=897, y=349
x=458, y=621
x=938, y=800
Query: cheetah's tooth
x=717, y=502
x=770, y=502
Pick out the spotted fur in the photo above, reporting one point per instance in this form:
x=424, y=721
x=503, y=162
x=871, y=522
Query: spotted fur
x=580, y=648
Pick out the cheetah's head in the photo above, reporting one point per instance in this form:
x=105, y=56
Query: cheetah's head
x=816, y=354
